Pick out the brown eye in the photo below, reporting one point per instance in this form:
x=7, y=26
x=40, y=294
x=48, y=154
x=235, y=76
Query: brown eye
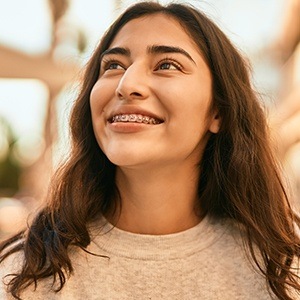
x=114, y=66
x=168, y=64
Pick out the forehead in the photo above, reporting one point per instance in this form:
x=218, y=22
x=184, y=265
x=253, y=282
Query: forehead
x=154, y=29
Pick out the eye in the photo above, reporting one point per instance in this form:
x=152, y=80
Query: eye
x=111, y=65
x=168, y=64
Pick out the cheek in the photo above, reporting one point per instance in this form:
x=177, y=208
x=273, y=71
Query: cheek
x=188, y=102
x=99, y=97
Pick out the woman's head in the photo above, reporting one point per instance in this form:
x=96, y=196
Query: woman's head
x=232, y=104
x=151, y=105
x=225, y=64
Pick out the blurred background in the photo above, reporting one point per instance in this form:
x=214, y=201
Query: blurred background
x=44, y=45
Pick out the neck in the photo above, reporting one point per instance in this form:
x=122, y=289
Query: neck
x=157, y=201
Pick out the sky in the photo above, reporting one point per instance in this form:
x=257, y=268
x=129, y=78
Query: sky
x=25, y=25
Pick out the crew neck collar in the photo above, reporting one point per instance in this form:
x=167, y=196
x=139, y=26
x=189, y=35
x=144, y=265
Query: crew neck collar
x=115, y=241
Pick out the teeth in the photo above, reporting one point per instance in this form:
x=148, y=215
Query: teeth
x=134, y=118
x=124, y=118
x=139, y=119
x=146, y=120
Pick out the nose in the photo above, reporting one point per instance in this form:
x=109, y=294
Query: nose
x=134, y=84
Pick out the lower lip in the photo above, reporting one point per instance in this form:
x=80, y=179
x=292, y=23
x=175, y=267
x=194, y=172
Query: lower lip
x=127, y=127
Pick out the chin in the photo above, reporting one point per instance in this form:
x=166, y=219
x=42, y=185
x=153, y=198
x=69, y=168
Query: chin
x=125, y=159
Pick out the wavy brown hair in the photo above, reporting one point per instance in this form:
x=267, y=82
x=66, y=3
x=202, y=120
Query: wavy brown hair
x=239, y=179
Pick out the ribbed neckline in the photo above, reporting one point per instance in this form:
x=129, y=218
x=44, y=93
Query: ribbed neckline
x=157, y=247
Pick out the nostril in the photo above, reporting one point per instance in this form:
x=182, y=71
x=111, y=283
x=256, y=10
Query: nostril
x=136, y=94
x=133, y=94
x=120, y=96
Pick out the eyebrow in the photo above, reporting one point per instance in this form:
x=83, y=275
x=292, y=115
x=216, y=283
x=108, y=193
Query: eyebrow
x=169, y=49
x=116, y=50
x=155, y=49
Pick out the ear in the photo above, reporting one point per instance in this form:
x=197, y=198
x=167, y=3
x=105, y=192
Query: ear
x=215, y=123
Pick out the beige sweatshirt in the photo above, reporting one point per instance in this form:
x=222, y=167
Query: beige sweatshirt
x=204, y=262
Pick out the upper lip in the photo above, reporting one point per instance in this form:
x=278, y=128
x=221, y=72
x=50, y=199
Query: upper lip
x=136, y=111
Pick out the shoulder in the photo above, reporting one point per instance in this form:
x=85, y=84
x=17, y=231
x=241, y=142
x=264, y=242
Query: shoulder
x=9, y=266
x=232, y=252
x=230, y=232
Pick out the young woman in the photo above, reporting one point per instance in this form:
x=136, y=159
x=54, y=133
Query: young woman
x=171, y=190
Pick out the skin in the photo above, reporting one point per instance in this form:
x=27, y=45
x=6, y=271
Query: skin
x=157, y=172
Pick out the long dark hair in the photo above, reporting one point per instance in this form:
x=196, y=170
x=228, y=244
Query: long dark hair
x=239, y=176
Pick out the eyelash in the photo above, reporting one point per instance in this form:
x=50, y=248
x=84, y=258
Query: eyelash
x=106, y=63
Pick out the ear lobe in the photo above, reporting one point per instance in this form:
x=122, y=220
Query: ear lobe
x=215, y=124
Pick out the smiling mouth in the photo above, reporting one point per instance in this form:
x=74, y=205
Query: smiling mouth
x=135, y=118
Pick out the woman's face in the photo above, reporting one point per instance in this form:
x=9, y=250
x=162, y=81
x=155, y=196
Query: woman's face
x=152, y=102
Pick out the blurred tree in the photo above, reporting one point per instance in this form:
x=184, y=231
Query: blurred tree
x=10, y=169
